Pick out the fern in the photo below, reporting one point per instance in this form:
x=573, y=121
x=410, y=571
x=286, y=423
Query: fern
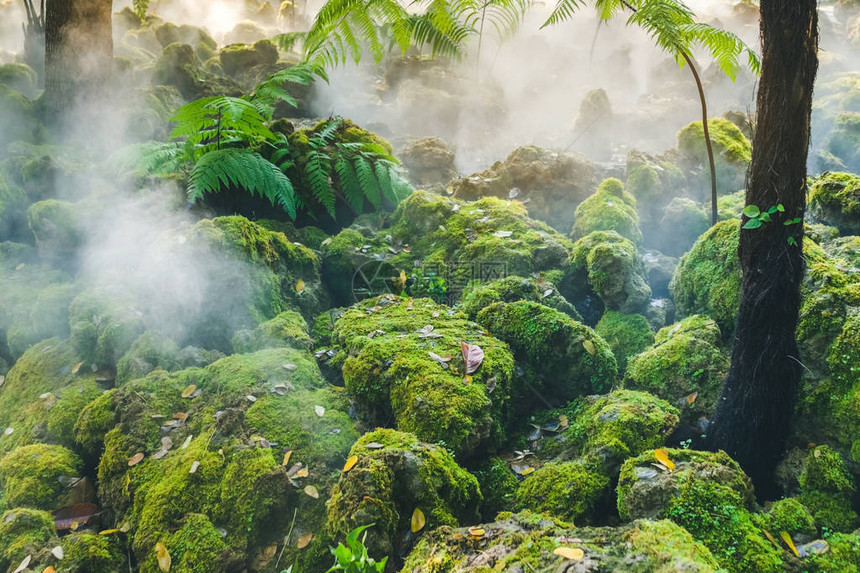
x=147, y=158
x=271, y=91
x=140, y=8
x=241, y=168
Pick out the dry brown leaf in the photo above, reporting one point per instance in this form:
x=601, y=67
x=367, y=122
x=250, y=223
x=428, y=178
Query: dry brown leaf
x=692, y=398
x=189, y=390
x=473, y=356
x=136, y=459
x=73, y=516
x=305, y=540
x=312, y=491
x=77, y=367
x=350, y=463
x=572, y=553
x=418, y=520
x=163, y=557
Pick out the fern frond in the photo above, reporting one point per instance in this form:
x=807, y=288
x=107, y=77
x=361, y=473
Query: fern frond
x=146, y=158
x=140, y=8
x=563, y=11
x=319, y=177
x=367, y=179
x=207, y=120
x=349, y=183
x=241, y=168
x=272, y=90
x=448, y=43
x=289, y=40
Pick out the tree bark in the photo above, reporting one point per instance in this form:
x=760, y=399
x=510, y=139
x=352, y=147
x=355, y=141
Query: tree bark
x=755, y=412
x=78, y=52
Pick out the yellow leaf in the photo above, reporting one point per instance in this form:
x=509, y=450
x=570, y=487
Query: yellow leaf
x=305, y=540
x=770, y=537
x=572, y=553
x=287, y=455
x=300, y=285
x=49, y=569
x=563, y=421
x=189, y=390
x=476, y=532
x=527, y=471
x=77, y=367
x=163, y=557
x=350, y=463
x=75, y=525
x=302, y=473
x=692, y=398
x=788, y=541
x=418, y=520
x=663, y=457
x=312, y=491
x=108, y=531
x=589, y=347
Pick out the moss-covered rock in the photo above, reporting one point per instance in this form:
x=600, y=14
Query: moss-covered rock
x=19, y=116
x=57, y=230
x=732, y=154
x=842, y=554
x=237, y=58
x=479, y=295
x=429, y=160
x=826, y=490
x=609, y=265
x=565, y=358
x=30, y=476
x=104, y=324
x=396, y=474
x=612, y=428
x=627, y=335
x=151, y=350
x=567, y=490
x=610, y=208
x=21, y=78
x=682, y=222
x=92, y=553
x=707, y=494
x=44, y=312
x=787, y=515
x=686, y=367
x=402, y=362
x=287, y=329
x=498, y=485
x=23, y=532
x=550, y=184
x=180, y=67
x=834, y=199
x=846, y=249
x=842, y=152
x=525, y=542
x=653, y=181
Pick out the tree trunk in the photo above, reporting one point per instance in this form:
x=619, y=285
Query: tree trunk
x=754, y=414
x=78, y=52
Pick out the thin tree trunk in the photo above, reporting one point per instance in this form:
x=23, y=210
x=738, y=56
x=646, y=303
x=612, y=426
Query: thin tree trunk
x=754, y=414
x=78, y=51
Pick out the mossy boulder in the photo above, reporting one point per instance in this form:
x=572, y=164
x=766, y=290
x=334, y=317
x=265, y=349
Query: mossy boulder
x=550, y=184
x=396, y=474
x=151, y=350
x=732, y=154
x=659, y=269
x=826, y=489
x=19, y=117
x=237, y=58
x=169, y=33
x=707, y=494
x=686, y=367
x=88, y=552
x=842, y=152
x=834, y=199
x=563, y=357
x=610, y=208
x=683, y=221
x=526, y=542
x=57, y=229
x=403, y=363
x=180, y=67
x=479, y=295
x=612, y=428
x=566, y=490
x=498, y=486
x=104, y=323
x=788, y=515
x=287, y=329
x=846, y=249
x=44, y=309
x=609, y=265
x=23, y=532
x=653, y=182
x=33, y=476
x=429, y=160
x=627, y=335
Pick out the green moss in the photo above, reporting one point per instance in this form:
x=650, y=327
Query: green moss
x=44, y=314
x=389, y=371
x=56, y=228
x=732, y=151
x=567, y=490
x=826, y=490
x=104, y=324
x=287, y=329
x=842, y=147
x=237, y=58
x=29, y=475
x=671, y=547
x=180, y=68
x=568, y=358
x=90, y=553
x=62, y=409
x=479, y=295
x=151, y=351
x=199, y=544
x=498, y=486
x=709, y=496
x=387, y=484
x=95, y=420
x=787, y=515
x=23, y=532
x=627, y=334
x=682, y=222
x=843, y=555
x=845, y=248
x=708, y=278
x=611, y=266
x=686, y=367
x=834, y=199
x=614, y=427
x=609, y=209
x=842, y=358
x=731, y=206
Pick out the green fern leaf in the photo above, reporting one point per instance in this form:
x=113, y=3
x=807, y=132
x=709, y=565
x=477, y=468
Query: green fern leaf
x=368, y=181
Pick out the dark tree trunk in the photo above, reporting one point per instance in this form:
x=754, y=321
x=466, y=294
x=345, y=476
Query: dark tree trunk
x=78, y=52
x=754, y=414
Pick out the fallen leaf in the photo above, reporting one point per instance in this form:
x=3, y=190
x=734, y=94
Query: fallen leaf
x=49, y=569
x=312, y=491
x=502, y=234
x=350, y=463
x=9, y=431
x=374, y=446
x=692, y=398
x=181, y=416
x=320, y=411
x=770, y=538
x=473, y=356
x=75, y=525
x=251, y=398
x=80, y=514
x=303, y=473
x=305, y=540
x=300, y=285
x=817, y=453
x=467, y=379
x=589, y=347
x=563, y=421
x=476, y=532
x=788, y=541
x=166, y=442
x=77, y=367
x=189, y=390
x=163, y=557
x=187, y=441
x=663, y=457
x=58, y=552
x=194, y=467
x=491, y=385
x=108, y=531
x=572, y=553
x=23, y=564
x=289, y=367
x=527, y=470
x=418, y=520
x=287, y=455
